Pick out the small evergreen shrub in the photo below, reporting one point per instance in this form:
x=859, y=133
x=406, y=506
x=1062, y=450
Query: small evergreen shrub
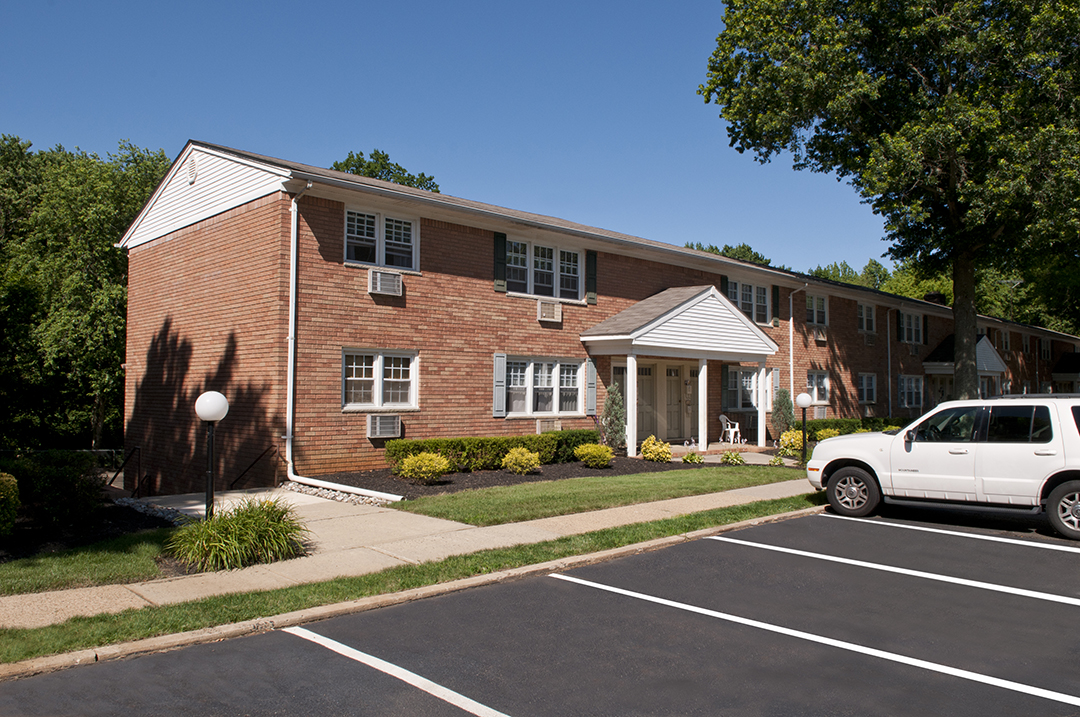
x=655, y=451
x=486, y=453
x=425, y=467
x=783, y=412
x=692, y=457
x=567, y=442
x=254, y=531
x=594, y=455
x=9, y=502
x=777, y=460
x=732, y=458
x=824, y=433
x=613, y=419
x=791, y=443
x=521, y=461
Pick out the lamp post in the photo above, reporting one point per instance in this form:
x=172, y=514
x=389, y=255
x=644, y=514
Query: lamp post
x=803, y=401
x=210, y=407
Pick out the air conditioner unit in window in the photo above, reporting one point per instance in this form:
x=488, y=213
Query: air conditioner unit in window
x=549, y=311
x=913, y=349
x=383, y=425
x=820, y=411
x=543, y=425
x=819, y=333
x=384, y=282
x=870, y=339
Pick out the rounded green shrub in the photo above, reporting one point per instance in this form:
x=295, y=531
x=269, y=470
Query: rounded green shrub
x=732, y=458
x=594, y=455
x=254, y=531
x=692, y=457
x=521, y=461
x=425, y=467
x=655, y=451
x=9, y=502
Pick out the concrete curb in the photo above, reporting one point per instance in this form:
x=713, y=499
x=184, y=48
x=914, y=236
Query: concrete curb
x=165, y=643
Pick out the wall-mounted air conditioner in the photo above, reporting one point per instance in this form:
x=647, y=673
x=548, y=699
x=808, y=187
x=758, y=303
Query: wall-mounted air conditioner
x=384, y=282
x=383, y=425
x=819, y=333
x=543, y=425
x=549, y=311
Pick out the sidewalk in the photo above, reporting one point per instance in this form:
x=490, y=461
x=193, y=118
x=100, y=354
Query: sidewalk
x=350, y=540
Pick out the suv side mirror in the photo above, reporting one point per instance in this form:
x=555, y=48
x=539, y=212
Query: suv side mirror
x=910, y=436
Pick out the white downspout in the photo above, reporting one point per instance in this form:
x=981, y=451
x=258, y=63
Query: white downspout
x=791, y=340
x=290, y=404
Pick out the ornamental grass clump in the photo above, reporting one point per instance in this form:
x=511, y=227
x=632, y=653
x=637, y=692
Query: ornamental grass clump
x=655, y=451
x=732, y=458
x=254, y=531
x=521, y=461
x=594, y=455
x=424, y=467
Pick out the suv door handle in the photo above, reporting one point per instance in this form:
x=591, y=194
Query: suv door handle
x=958, y=451
x=1046, y=452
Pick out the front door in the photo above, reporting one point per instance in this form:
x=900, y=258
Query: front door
x=646, y=402
x=674, y=403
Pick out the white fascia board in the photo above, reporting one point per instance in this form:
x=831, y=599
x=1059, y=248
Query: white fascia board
x=711, y=292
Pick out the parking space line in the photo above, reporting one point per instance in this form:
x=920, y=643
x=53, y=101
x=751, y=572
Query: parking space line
x=1049, y=597
x=976, y=536
x=841, y=644
x=422, y=683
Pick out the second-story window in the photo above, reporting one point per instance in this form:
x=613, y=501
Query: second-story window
x=910, y=328
x=753, y=300
x=542, y=270
x=816, y=310
x=372, y=238
x=866, y=318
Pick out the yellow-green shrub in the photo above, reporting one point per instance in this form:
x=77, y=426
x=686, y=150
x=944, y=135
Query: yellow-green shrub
x=827, y=433
x=425, y=467
x=655, y=451
x=594, y=455
x=790, y=442
x=692, y=457
x=732, y=458
x=521, y=461
x=9, y=502
x=776, y=461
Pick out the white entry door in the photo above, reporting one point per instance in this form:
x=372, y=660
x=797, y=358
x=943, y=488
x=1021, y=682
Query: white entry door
x=675, y=401
x=646, y=402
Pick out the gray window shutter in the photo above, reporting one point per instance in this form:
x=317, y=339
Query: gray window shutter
x=590, y=277
x=590, y=388
x=723, y=285
x=500, y=262
x=775, y=383
x=899, y=326
x=498, y=389
x=926, y=329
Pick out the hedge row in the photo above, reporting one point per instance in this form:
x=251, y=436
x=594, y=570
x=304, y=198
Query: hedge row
x=486, y=453
x=849, y=425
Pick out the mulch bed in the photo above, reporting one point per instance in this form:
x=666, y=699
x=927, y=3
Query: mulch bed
x=385, y=482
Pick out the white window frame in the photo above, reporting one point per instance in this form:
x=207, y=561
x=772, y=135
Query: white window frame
x=567, y=267
x=561, y=371
x=381, y=243
x=382, y=362
x=867, y=388
x=742, y=389
x=865, y=318
x=911, y=386
x=1006, y=345
x=817, y=310
x=912, y=325
x=817, y=383
x=1026, y=343
x=1044, y=349
x=752, y=299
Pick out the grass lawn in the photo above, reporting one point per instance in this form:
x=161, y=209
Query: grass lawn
x=545, y=499
x=88, y=632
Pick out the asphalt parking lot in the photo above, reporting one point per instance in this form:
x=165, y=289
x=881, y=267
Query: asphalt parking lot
x=901, y=615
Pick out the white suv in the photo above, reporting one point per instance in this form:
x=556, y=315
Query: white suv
x=1016, y=452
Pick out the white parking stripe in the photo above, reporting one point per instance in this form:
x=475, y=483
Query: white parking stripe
x=1049, y=597
x=422, y=683
x=976, y=536
x=851, y=647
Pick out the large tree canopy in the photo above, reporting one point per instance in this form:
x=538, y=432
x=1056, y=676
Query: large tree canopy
x=380, y=167
x=957, y=121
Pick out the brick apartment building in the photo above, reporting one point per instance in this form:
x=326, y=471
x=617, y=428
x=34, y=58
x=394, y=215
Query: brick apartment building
x=337, y=311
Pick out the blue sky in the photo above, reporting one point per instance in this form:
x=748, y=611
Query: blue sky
x=583, y=110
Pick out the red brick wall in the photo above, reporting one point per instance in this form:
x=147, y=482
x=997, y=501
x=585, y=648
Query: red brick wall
x=207, y=310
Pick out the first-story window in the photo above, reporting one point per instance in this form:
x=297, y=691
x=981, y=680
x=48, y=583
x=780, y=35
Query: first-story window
x=867, y=388
x=911, y=390
x=543, y=386
x=742, y=389
x=373, y=379
x=817, y=385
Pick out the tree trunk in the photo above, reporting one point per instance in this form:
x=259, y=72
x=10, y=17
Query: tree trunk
x=98, y=420
x=965, y=373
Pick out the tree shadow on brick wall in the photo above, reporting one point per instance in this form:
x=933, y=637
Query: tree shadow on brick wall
x=172, y=440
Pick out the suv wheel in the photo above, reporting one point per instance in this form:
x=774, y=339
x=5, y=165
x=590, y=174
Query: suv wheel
x=854, y=493
x=1063, y=507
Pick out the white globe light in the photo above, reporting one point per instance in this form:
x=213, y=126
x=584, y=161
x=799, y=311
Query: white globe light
x=803, y=400
x=211, y=406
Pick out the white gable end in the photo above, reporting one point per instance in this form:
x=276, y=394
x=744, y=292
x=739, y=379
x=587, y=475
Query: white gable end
x=987, y=359
x=201, y=184
x=710, y=325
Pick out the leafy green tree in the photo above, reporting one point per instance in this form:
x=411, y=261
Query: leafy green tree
x=956, y=120
x=380, y=167
x=742, y=252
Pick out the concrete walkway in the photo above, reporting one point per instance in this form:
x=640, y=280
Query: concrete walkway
x=349, y=540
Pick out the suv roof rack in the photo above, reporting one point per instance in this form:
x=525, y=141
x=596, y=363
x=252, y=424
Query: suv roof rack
x=1028, y=396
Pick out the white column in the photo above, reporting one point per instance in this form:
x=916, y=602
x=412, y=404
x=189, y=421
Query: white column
x=631, y=405
x=703, y=404
x=761, y=408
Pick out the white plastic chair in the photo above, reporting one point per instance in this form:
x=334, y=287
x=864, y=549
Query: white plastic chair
x=729, y=430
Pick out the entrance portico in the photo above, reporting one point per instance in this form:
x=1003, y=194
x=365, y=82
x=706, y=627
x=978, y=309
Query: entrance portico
x=676, y=330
